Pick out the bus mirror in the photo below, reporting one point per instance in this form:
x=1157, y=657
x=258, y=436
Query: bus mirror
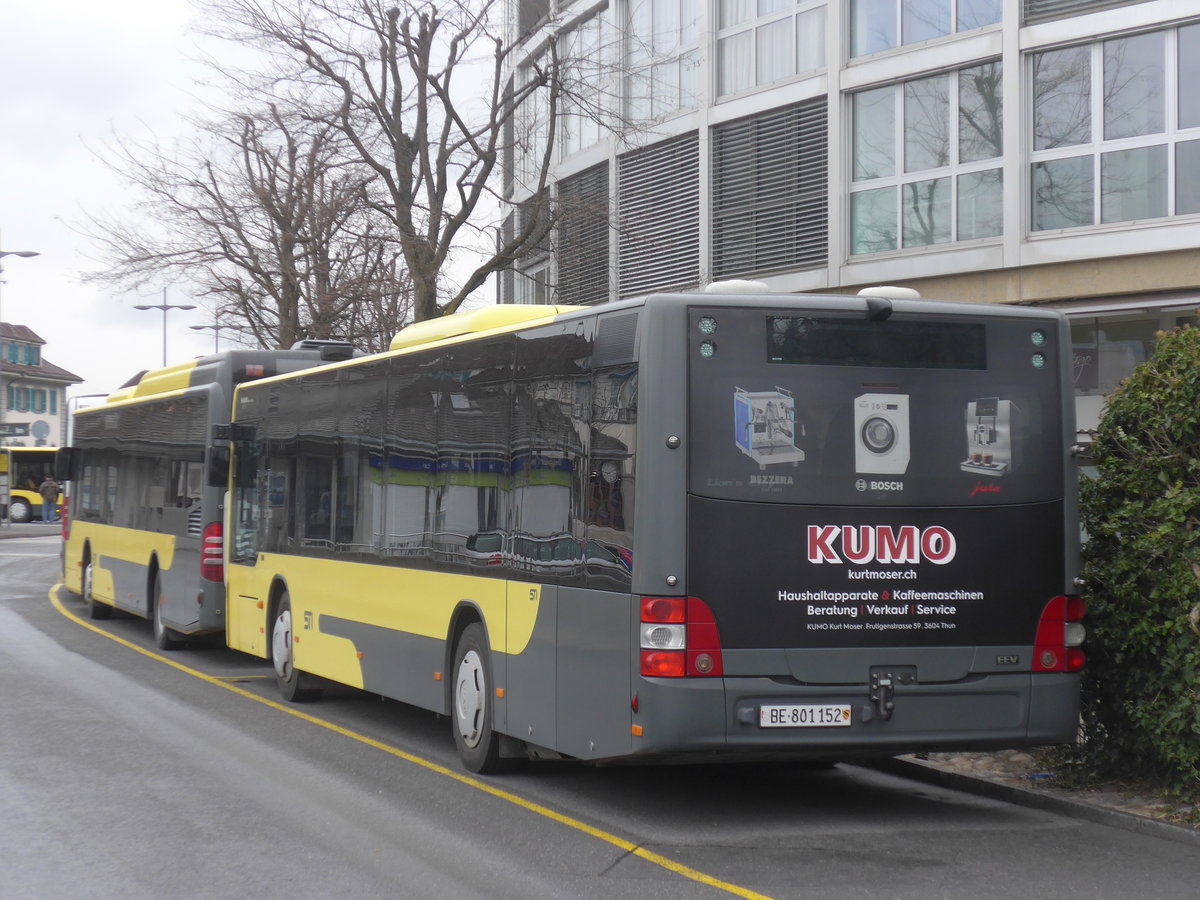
x=218, y=466
x=65, y=464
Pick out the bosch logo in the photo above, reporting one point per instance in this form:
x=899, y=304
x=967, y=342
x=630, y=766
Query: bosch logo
x=861, y=484
x=887, y=485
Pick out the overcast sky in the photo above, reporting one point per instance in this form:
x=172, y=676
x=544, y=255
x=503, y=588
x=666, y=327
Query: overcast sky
x=72, y=71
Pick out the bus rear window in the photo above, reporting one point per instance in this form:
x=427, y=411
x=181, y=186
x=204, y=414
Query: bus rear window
x=828, y=341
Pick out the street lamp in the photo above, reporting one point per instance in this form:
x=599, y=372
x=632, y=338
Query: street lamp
x=25, y=254
x=166, y=308
x=215, y=329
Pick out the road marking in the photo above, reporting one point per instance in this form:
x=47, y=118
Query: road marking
x=650, y=856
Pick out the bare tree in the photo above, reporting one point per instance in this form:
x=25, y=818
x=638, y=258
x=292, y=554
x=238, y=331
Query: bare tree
x=421, y=94
x=264, y=215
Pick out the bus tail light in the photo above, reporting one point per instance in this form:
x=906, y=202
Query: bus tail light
x=212, y=552
x=1060, y=635
x=679, y=637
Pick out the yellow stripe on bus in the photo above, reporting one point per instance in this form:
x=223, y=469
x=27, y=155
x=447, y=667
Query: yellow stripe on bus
x=650, y=856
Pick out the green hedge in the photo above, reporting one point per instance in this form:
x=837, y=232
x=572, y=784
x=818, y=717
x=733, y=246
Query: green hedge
x=1141, y=515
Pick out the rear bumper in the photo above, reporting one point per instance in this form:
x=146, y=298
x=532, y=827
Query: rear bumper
x=985, y=712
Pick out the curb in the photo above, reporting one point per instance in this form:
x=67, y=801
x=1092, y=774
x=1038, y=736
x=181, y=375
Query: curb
x=1055, y=803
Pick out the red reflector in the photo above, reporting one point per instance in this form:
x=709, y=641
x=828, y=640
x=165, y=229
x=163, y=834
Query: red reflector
x=664, y=610
x=1076, y=609
x=663, y=663
x=1076, y=659
x=212, y=552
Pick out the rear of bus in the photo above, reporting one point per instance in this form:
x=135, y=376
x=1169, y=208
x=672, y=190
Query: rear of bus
x=880, y=549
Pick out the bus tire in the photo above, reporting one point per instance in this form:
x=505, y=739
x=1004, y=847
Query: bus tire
x=19, y=511
x=294, y=685
x=96, y=609
x=164, y=638
x=471, y=704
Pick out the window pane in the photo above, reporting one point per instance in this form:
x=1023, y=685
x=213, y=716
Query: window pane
x=1133, y=184
x=734, y=58
x=1062, y=82
x=689, y=21
x=980, y=205
x=873, y=26
x=735, y=12
x=810, y=40
x=977, y=13
x=689, y=79
x=980, y=113
x=665, y=19
x=774, y=56
x=1187, y=177
x=766, y=7
x=664, y=88
x=927, y=123
x=1133, y=86
x=1062, y=193
x=874, y=133
x=927, y=214
x=925, y=19
x=1189, y=74
x=873, y=220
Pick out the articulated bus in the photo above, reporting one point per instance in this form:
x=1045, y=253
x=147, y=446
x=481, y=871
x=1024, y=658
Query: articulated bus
x=148, y=482
x=710, y=525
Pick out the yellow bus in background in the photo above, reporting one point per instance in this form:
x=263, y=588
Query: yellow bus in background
x=21, y=471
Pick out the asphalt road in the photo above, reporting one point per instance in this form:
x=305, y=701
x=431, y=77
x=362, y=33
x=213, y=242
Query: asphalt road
x=126, y=773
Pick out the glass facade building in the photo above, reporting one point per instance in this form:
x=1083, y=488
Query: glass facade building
x=1024, y=151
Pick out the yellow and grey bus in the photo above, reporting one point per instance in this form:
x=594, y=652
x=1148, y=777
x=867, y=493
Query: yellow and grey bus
x=24, y=468
x=147, y=488
x=694, y=525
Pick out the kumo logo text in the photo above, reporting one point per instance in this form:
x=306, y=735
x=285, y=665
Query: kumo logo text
x=865, y=544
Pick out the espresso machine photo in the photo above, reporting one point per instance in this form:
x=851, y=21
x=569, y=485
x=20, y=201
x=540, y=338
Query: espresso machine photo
x=991, y=444
x=765, y=427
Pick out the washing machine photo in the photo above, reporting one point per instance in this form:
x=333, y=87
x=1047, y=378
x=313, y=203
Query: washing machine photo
x=881, y=434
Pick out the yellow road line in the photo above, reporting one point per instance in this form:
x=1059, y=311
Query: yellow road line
x=657, y=859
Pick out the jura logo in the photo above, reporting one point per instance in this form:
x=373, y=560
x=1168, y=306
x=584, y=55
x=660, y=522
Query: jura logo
x=864, y=544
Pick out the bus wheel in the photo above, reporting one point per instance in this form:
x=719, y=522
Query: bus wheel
x=164, y=638
x=96, y=609
x=294, y=685
x=19, y=511
x=478, y=744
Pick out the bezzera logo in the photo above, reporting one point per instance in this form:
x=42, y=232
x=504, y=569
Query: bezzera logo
x=864, y=544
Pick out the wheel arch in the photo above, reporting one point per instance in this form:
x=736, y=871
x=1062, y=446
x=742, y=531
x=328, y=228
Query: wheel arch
x=466, y=613
x=152, y=570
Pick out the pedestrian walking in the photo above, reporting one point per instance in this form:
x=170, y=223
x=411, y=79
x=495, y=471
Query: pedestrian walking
x=49, y=491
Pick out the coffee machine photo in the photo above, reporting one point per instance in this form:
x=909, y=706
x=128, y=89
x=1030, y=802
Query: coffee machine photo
x=991, y=444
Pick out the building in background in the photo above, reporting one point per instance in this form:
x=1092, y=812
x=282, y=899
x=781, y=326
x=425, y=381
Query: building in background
x=1017, y=151
x=33, y=395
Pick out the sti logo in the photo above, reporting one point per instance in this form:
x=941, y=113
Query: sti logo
x=864, y=544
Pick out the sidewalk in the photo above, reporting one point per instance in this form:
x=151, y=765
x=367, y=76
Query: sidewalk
x=1013, y=777
x=30, y=529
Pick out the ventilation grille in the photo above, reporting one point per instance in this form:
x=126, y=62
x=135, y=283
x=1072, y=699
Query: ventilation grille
x=583, y=237
x=770, y=192
x=616, y=339
x=1043, y=10
x=659, y=204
